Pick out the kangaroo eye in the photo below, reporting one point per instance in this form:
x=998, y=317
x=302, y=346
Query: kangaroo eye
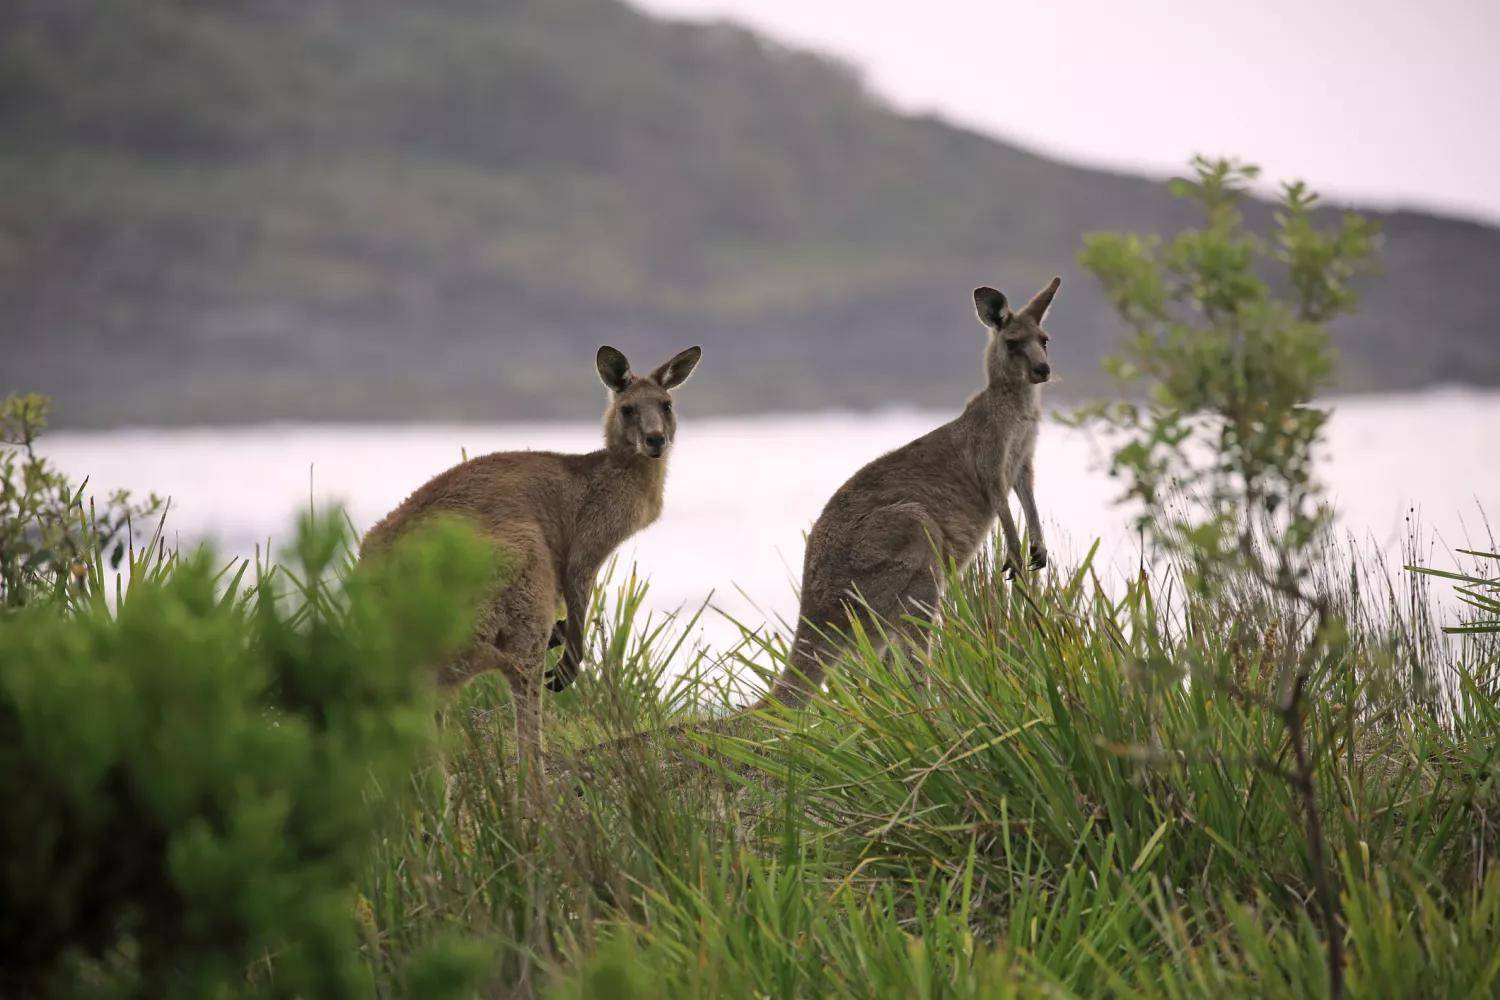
x=628, y=412
x=1044, y=341
x=666, y=407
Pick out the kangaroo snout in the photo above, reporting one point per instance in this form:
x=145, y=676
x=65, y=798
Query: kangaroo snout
x=654, y=444
x=1041, y=373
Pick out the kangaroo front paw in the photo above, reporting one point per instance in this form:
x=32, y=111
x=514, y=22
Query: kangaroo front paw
x=1011, y=566
x=560, y=677
x=557, y=636
x=1038, y=558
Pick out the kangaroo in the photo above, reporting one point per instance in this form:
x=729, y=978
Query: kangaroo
x=881, y=545
x=557, y=517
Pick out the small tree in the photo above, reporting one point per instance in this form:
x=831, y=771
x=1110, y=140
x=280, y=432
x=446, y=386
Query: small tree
x=1228, y=340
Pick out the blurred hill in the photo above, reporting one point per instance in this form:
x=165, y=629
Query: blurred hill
x=376, y=209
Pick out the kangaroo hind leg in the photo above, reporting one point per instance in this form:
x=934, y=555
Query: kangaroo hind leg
x=899, y=576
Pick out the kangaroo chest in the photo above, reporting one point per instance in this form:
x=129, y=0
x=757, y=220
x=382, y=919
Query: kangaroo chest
x=610, y=513
x=999, y=459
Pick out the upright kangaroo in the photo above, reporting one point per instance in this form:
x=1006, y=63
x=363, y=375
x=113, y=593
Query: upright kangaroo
x=880, y=547
x=557, y=518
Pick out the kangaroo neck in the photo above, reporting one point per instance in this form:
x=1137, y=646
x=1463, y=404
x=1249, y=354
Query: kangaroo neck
x=625, y=471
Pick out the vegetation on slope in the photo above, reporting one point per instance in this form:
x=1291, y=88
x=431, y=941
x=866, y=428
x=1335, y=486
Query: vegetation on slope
x=261, y=209
x=1051, y=815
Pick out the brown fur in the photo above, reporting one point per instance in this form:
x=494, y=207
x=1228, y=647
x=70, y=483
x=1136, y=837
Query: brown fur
x=879, y=549
x=557, y=517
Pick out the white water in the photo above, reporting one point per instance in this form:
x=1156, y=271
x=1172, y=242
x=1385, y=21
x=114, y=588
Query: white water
x=742, y=491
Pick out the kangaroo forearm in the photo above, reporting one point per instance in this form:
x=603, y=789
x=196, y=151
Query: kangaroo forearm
x=578, y=594
x=1026, y=493
x=1033, y=520
x=572, y=644
x=1008, y=527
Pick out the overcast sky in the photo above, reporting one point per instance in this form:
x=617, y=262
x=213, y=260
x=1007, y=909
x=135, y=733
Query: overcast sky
x=1387, y=101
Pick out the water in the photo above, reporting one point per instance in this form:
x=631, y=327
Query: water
x=741, y=492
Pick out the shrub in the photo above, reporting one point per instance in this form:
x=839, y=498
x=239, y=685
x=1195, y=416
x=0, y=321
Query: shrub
x=193, y=779
x=52, y=545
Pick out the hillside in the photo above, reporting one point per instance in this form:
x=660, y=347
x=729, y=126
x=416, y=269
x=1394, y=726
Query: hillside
x=370, y=209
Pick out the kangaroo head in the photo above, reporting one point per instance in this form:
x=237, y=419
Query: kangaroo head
x=1017, y=351
x=640, y=420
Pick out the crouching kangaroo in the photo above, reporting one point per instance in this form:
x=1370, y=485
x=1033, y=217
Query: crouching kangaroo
x=880, y=547
x=557, y=518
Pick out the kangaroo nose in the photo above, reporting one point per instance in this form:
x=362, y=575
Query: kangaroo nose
x=1041, y=372
x=655, y=441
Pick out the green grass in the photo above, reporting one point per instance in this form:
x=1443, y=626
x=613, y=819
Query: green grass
x=1070, y=805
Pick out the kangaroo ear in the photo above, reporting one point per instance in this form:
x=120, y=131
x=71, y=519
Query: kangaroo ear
x=614, y=370
x=1037, y=307
x=675, y=372
x=991, y=307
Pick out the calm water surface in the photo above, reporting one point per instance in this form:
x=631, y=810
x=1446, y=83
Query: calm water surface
x=741, y=492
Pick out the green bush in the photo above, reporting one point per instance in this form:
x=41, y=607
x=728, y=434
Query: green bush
x=193, y=779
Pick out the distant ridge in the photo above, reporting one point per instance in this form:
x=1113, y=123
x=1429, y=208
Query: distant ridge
x=372, y=209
